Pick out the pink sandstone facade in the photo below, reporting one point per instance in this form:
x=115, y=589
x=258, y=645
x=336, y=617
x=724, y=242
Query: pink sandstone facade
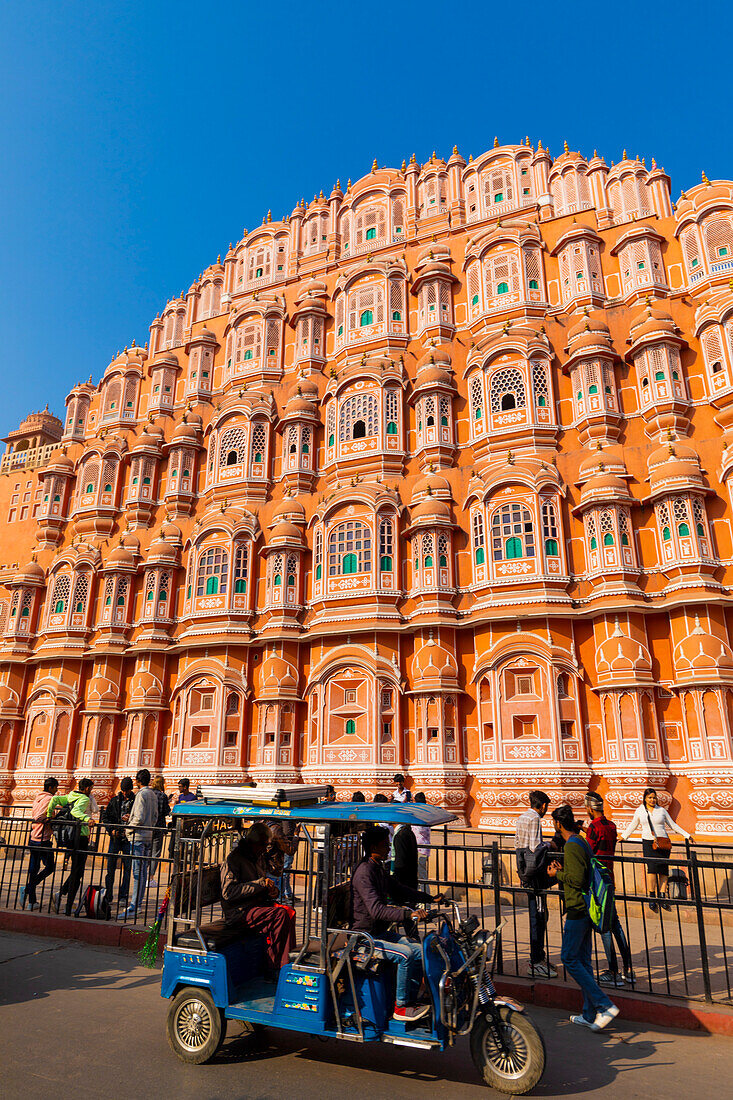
x=430, y=476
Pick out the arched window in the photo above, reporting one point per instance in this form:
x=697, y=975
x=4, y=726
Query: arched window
x=478, y=538
x=443, y=551
x=259, y=443
x=502, y=288
x=232, y=447
x=666, y=534
x=361, y=409
x=477, y=397
x=319, y=555
x=550, y=529
x=512, y=532
x=351, y=726
x=350, y=549
x=608, y=539
x=507, y=383
x=212, y=572
x=386, y=545
x=683, y=529
x=366, y=317
x=241, y=564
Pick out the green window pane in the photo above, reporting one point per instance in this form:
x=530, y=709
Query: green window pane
x=513, y=548
x=391, y=428
x=385, y=563
x=608, y=539
x=366, y=318
x=212, y=586
x=371, y=234
x=551, y=548
x=278, y=581
x=348, y=564
x=533, y=284
x=594, y=543
x=480, y=556
x=319, y=572
x=240, y=586
x=666, y=534
x=503, y=288
x=683, y=530
x=351, y=726
x=428, y=561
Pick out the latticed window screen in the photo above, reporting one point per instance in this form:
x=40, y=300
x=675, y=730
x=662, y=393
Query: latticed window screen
x=340, y=315
x=61, y=593
x=502, y=274
x=428, y=410
x=350, y=549
x=657, y=364
x=81, y=592
x=498, y=187
x=305, y=440
x=398, y=218
x=428, y=551
x=507, y=384
x=445, y=411
x=369, y=225
x=273, y=336
x=292, y=565
x=122, y=588
x=443, y=548
x=540, y=385
x=150, y=587
x=318, y=555
x=212, y=572
x=718, y=233
x=549, y=523
x=478, y=532
x=346, y=230
x=109, y=588
x=713, y=349
x=248, y=342
x=292, y=443
x=663, y=519
x=386, y=543
x=241, y=566
x=590, y=530
x=131, y=393
x=365, y=300
x=591, y=372
x=445, y=300
x=609, y=385
x=512, y=533
x=532, y=268
x=477, y=398
x=331, y=422
x=558, y=195
x=624, y=526
x=163, y=591
x=109, y=472
x=276, y=570
x=474, y=293
x=691, y=249
x=113, y=400
x=698, y=511
x=391, y=407
x=362, y=408
x=260, y=260
x=681, y=512
x=396, y=300
x=259, y=443
x=232, y=447
x=88, y=477
x=608, y=528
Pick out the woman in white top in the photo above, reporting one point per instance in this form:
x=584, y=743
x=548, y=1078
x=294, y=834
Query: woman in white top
x=422, y=835
x=653, y=821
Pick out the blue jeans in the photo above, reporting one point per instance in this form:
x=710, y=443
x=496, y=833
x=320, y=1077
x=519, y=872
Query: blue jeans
x=140, y=864
x=119, y=850
x=616, y=933
x=408, y=956
x=576, y=958
x=41, y=853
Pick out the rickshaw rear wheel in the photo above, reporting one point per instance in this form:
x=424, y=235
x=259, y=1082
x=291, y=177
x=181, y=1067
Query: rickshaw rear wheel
x=195, y=1027
x=515, y=1067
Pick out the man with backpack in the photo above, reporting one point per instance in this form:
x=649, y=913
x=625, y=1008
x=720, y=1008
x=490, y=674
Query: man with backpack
x=531, y=853
x=602, y=836
x=582, y=899
x=77, y=813
x=39, y=844
x=116, y=816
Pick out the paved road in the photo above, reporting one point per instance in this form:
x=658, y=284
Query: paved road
x=79, y=1020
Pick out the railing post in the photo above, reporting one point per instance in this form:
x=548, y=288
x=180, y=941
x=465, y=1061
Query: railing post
x=445, y=853
x=695, y=876
x=496, y=878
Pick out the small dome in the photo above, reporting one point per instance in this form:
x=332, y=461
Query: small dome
x=433, y=665
x=286, y=532
x=431, y=508
x=9, y=701
x=604, y=486
x=289, y=509
x=674, y=463
x=433, y=485
x=431, y=252
x=652, y=321
x=103, y=691
x=145, y=688
x=121, y=556
x=702, y=654
x=620, y=658
x=602, y=460
x=277, y=677
x=32, y=573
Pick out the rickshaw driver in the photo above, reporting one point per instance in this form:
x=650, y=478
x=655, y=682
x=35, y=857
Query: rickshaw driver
x=248, y=895
x=372, y=890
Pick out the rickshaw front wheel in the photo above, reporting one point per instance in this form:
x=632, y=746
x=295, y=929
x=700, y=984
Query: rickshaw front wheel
x=195, y=1026
x=515, y=1064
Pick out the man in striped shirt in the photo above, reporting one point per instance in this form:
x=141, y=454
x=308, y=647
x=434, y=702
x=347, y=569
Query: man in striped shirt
x=527, y=839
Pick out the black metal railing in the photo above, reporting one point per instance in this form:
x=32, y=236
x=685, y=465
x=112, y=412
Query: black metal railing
x=683, y=951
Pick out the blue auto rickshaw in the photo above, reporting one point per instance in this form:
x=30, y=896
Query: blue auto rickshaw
x=336, y=985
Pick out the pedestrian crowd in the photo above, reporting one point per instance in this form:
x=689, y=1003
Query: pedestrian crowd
x=578, y=865
x=136, y=821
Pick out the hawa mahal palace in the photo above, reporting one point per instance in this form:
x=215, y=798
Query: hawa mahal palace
x=432, y=476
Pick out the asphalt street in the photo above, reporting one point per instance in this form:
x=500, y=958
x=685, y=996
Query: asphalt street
x=87, y=1021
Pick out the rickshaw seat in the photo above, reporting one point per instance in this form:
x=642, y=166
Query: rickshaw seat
x=216, y=935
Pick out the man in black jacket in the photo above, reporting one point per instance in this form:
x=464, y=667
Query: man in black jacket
x=404, y=863
x=116, y=815
x=373, y=894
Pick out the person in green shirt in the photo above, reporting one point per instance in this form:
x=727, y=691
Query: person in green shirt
x=81, y=811
x=574, y=875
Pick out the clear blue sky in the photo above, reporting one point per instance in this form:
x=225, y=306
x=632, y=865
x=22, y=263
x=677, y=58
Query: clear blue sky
x=139, y=139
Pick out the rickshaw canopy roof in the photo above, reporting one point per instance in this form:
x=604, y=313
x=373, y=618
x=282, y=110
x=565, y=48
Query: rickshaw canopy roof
x=377, y=813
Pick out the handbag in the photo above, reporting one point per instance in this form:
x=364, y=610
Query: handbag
x=660, y=843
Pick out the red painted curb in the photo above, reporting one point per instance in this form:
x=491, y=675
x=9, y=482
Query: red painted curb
x=662, y=1011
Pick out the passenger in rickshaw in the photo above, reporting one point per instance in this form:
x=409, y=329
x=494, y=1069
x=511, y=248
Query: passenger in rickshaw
x=248, y=896
x=374, y=893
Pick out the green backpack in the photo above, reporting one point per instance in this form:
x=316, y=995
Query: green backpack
x=599, y=898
